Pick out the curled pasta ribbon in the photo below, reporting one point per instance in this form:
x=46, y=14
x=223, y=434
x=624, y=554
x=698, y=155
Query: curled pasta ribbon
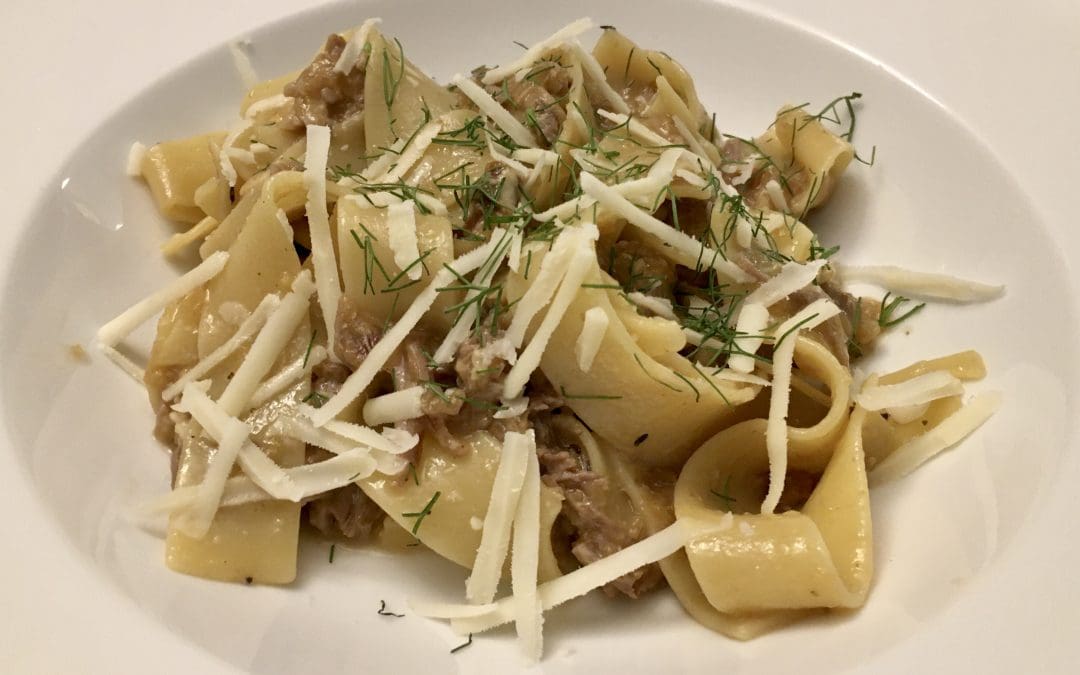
x=811, y=448
x=818, y=556
x=798, y=138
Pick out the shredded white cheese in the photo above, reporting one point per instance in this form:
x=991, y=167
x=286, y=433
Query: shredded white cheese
x=691, y=178
x=793, y=276
x=322, y=245
x=267, y=104
x=513, y=259
x=224, y=158
x=401, y=222
x=776, y=196
x=661, y=307
x=533, y=53
x=918, y=390
x=231, y=434
x=354, y=48
x=243, y=333
x=635, y=127
x=776, y=432
x=595, y=71
x=593, y=329
x=552, y=269
x=243, y=64
x=463, y=323
x=122, y=326
x=406, y=404
x=583, y=258
x=528, y=612
x=181, y=240
x=921, y=284
x=690, y=137
x=490, y=107
x=947, y=433
x=749, y=335
x=391, y=340
x=907, y=413
x=339, y=437
x=685, y=249
x=125, y=364
x=288, y=375
x=515, y=407
x=294, y=484
x=411, y=154
x=265, y=473
x=135, y=158
x=502, y=505
x=379, y=166
x=553, y=593
x=268, y=344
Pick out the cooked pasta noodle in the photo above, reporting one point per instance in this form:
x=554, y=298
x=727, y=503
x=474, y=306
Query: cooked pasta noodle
x=546, y=313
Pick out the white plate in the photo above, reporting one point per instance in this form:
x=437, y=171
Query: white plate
x=967, y=548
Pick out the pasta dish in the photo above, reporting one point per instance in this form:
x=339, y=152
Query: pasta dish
x=546, y=321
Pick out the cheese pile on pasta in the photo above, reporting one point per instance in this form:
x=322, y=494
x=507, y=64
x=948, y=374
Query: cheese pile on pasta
x=546, y=313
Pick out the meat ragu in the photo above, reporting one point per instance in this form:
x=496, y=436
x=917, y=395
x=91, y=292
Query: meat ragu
x=599, y=313
x=591, y=524
x=322, y=96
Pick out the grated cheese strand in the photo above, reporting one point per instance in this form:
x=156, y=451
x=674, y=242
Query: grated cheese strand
x=636, y=128
x=591, y=337
x=267, y=104
x=792, y=277
x=582, y=261
x=916, y=391
x=401, y=221
x=750, y=334
x=538, y=295
x=323, y=258
x=271, y=340
x=125, y=364
x=517, y=131
x=661, y=307
x=687, y=250
x=306, y=481
x=776, y=431
x=463, y=324
x=242, y=63
x=122, y=326
x=231, y=434
x=243, y=333
x=136, y=155
x=537, y=50
x=176, y=244
x=577, y=583
x=947, y=433
x=510, y=475
x=528, y=613
x=354, y=48
x=406, y=404
x=224, y=158
x=385, y=347
x=265, y=473
x=412, y=153
x=927, y=285
x=594, y=70
x=287, y=376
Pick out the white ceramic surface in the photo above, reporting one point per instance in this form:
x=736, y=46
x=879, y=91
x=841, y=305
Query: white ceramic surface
x=972, y=549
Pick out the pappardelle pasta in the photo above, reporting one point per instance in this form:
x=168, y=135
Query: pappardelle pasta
x=546, y=314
